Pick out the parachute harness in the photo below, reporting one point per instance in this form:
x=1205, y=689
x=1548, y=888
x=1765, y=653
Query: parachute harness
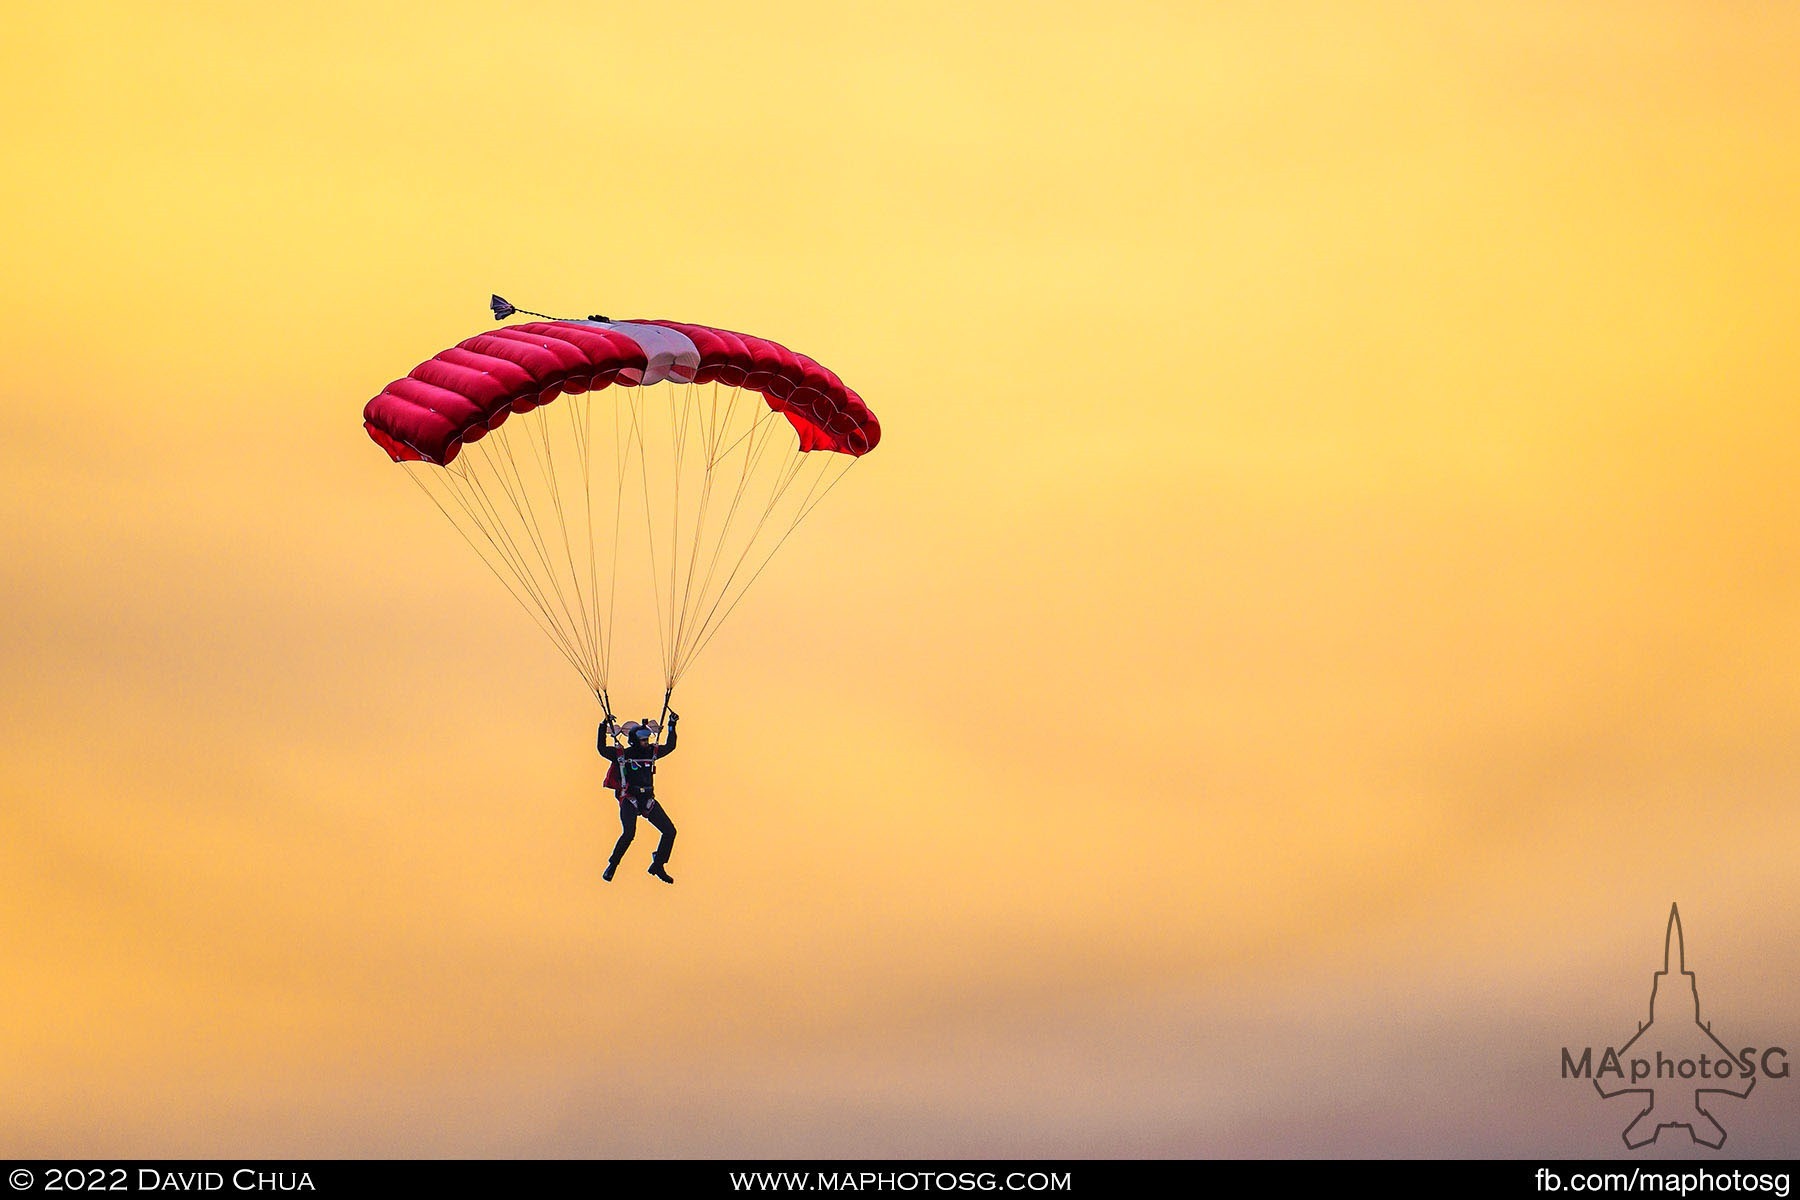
x=611, y=736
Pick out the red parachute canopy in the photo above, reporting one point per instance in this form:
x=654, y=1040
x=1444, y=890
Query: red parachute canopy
x=463, y=393
x=550, y=501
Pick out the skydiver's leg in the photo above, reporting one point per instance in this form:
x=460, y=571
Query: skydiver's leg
x=627, y=831
x=659, y=818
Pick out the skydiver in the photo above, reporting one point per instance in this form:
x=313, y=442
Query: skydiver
x=633, y=780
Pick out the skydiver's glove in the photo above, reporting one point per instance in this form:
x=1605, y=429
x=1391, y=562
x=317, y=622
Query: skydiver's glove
x=674, y=717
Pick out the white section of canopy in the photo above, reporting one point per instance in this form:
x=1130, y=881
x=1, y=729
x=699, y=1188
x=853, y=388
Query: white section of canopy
x=671, y=354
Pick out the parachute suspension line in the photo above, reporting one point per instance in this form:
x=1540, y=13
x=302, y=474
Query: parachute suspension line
x=537, y=435
x=518, y=494
x=709, y=439
x=466, y=472
x=678, y=427
x=576, y=412
x=785, y=479
x=488, y=455
x=501, y=541
x=682, y=409
x=678, y=608
x=810, y=501
x=496, y=535
x=621, y=451
x=713, y=617
x=649, y=521
x=755, y=454
x=806, y=508
x=695, y=424
x=472, y=496
x=713, y=460
x=495, y=528
x=547, y=465
x=749, y=433
x=694, y=428
x=581, y=417
x=535, y=614
x=586, y=442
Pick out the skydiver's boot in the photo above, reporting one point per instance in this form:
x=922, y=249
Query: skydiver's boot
x=656, y=869
x=612, y=865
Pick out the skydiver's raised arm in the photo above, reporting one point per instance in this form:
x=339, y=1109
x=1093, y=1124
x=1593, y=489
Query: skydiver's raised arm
x=668, y=746
x=607, y=751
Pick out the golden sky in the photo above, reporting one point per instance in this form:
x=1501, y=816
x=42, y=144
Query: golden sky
x=1330, y=579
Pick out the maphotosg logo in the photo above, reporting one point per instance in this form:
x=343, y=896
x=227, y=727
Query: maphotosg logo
x=1675, y=1064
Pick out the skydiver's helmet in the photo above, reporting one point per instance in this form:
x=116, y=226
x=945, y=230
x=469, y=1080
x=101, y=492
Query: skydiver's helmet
x=639, y=733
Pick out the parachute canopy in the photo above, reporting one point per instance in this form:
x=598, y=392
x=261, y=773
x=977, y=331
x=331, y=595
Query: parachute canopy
x=693, y=443
x=470, y=389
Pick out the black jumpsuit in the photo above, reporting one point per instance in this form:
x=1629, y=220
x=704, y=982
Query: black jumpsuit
x=637, y=772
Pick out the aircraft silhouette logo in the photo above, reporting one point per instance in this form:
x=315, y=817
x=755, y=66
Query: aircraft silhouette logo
x=1674, y=1064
